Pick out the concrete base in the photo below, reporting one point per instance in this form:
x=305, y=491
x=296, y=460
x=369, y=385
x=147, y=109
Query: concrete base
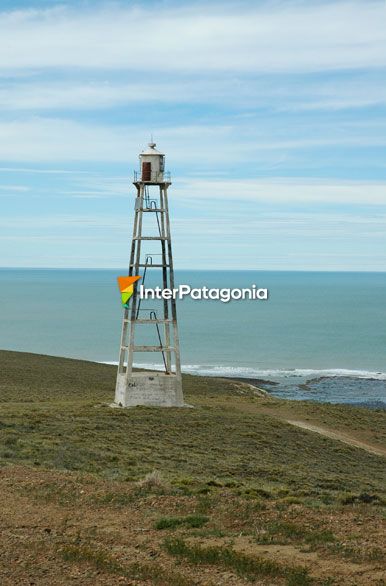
x=155, y=389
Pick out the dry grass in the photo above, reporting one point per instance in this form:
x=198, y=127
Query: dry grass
x=245, y=566
x=153, y=482
x=55, y=414
x=82, y=484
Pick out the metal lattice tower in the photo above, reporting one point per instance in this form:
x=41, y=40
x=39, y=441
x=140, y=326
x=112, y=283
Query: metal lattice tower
x=158, y=388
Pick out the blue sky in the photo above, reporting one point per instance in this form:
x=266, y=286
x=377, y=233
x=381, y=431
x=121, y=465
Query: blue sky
x=272, y=115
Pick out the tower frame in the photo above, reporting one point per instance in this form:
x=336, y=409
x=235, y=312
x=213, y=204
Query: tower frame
x=138, y=387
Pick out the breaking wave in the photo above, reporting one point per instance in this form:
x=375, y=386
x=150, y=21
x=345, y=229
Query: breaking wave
x=250, y=372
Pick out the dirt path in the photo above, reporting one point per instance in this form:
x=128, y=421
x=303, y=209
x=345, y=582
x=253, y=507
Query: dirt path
x=339, y=436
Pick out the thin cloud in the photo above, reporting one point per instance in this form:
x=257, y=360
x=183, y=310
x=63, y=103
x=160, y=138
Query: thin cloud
x=241, y=97
x=275, y=190
x=244, y=93
x=56, y=140
x=34, y=170
x=285, y=190
x=14, y=188
x=315, y=36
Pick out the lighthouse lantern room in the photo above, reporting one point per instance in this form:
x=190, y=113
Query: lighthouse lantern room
x=152, y=165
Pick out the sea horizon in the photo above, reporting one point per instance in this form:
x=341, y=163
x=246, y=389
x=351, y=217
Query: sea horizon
x=362, y=271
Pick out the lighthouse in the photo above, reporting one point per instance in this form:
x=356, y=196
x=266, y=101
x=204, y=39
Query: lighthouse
x=147, y=328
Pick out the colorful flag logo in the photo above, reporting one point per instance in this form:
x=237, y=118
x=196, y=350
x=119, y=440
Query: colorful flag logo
x=126, y=287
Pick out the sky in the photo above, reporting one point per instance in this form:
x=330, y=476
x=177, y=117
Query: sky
x=272, y=115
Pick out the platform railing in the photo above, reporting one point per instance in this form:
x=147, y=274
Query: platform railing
x=161, y=177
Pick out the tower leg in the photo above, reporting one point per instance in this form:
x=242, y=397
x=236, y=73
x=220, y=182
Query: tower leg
x=165, y=266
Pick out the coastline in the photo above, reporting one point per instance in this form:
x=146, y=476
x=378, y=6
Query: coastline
x=338, y=386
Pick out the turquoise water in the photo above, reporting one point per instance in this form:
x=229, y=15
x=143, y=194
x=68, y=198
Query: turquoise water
x=313, y=325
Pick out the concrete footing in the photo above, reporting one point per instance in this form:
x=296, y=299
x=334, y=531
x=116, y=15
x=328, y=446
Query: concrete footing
x=156, y=389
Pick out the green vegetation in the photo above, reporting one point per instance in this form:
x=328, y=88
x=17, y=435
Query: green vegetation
x=245, y=566
x=102, y=560
x=55, y=414
x=283, y=532
x=236, y=489
x=193, y=521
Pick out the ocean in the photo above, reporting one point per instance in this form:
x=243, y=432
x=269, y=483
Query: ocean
x=320, y=335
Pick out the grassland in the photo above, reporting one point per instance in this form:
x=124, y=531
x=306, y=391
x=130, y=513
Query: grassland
x=225, y=493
